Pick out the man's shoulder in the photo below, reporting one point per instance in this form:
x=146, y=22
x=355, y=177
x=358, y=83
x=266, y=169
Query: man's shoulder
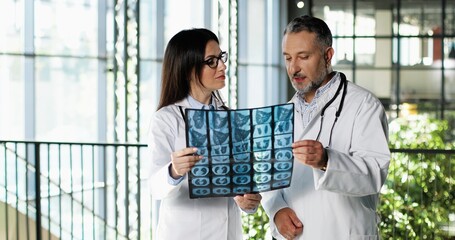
x=359, y=91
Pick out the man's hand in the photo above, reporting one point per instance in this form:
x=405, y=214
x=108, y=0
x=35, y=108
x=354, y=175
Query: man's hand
x=288, y=224
x=310, y=152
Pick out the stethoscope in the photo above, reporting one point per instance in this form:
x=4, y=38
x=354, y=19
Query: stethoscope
x=343, y=84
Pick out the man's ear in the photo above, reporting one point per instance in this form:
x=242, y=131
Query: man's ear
x=328, y=55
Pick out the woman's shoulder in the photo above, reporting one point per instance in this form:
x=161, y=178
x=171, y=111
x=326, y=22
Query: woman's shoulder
x=168, y=113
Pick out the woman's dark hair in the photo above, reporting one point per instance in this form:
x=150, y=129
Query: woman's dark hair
x=183, y=57
x=313, y=25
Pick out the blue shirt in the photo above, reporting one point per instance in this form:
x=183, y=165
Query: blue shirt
x=307, y=110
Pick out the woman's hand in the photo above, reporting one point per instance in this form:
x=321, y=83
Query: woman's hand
x=182, y=161
x=248, y=201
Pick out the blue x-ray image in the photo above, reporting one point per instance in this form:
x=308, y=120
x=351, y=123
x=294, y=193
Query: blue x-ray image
x=240, y=135
x=245, y=150
x=219, y=159
x=262, y=178
x=241, y=168
x=200, y=192
x=199, y=171
x=261, y=144
x=218, y=150
x=242, y=190
x=262, y=115
x=281, y=184
x=241, y=147
x=263, y=155
x=223, y=191
x=220, y=169
x=262, y=130
x=282, y=166
x=241, y=179
x=284, y=113
x=283, y=141
x=204, y=161
x=282, y=175
x=262, y=187
x=219, y=137
x=218, y=119
x=202, y=151
x=197, y=120
x=200, y=182
x=221, y=181
x=197, y=139
x=283, y=127
x=240, y=119
x=242, y=157
x=262, y=167
x=284, y=155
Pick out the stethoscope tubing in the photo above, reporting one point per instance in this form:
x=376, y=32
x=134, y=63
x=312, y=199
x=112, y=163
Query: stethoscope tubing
x=343, y=85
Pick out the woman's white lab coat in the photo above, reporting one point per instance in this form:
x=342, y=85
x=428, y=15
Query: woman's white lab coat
x=181, y=217
x=341, y=202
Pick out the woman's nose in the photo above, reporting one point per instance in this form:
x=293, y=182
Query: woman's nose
x=222, y=64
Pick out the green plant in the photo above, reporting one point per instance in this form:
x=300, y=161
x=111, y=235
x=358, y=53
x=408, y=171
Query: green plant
x=418, y=196
x=255, y=226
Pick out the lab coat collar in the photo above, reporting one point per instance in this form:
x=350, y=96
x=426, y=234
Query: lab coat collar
x=186, y=104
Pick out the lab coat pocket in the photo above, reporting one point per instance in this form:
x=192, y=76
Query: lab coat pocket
x=181, y=224
x=363, y=237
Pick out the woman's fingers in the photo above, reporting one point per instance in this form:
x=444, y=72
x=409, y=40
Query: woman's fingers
x=183, y=160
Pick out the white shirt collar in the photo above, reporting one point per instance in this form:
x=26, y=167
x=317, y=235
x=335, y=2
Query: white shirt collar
x=198, y=105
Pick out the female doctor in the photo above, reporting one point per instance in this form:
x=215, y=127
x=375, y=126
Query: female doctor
x=193, y=72
x=341, y=156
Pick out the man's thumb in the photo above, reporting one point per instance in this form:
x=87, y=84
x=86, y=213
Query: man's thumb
x=296, y=221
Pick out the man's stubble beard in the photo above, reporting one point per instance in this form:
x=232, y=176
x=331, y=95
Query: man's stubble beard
x=313, y=85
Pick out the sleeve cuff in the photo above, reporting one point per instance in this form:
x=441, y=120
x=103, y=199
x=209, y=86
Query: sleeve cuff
x=173, y=181
x=249, y=211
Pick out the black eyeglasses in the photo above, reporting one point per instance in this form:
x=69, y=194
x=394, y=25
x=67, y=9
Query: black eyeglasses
x=212, y=62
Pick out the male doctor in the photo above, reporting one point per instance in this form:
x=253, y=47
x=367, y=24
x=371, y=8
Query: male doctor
x=341, y=151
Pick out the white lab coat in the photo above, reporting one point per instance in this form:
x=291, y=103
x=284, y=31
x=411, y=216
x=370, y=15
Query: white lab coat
x=341, y=202
x=181, y=217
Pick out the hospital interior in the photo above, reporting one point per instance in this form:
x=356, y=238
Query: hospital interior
x=80, y=80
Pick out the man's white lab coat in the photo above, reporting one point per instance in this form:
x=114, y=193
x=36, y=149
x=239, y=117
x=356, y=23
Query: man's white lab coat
x=339, y=204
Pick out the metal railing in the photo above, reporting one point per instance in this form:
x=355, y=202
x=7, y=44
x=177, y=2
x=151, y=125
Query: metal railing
x=51, y=190
x=73, y=191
